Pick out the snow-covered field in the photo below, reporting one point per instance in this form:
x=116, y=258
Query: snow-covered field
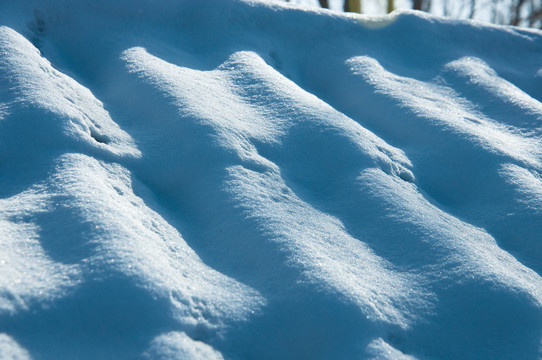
x=247, y=180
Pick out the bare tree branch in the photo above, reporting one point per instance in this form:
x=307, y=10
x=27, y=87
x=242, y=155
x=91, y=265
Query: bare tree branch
x=472, y=9
x=352, y=6
x=324, y=4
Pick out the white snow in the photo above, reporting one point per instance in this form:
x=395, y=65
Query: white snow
x=252, y=180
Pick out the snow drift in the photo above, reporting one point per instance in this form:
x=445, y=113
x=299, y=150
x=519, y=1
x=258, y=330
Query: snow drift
x=246, y=180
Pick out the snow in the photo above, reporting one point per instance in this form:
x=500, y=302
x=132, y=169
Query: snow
x=253, y=179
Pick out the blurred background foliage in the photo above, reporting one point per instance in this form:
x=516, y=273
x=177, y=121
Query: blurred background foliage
x=526, y=13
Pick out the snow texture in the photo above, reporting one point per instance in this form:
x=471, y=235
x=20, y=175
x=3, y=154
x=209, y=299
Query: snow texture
x=254, y=180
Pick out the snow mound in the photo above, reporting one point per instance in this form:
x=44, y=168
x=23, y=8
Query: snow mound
x=253, y=180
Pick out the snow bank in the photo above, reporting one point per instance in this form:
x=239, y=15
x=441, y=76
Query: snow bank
x=253, y=180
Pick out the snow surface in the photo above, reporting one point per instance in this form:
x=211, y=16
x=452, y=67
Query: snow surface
x=251, y=180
